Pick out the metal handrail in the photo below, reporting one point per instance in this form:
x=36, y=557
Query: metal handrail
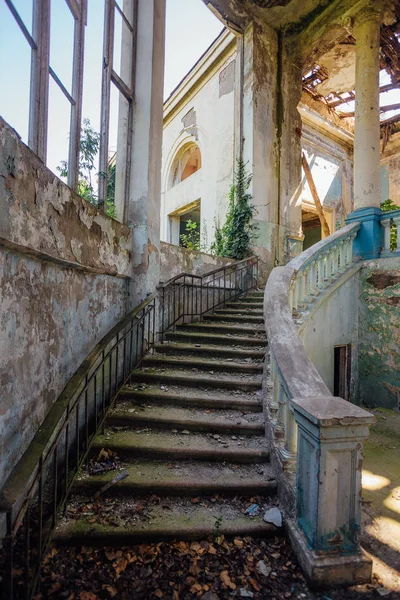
x=31, y=504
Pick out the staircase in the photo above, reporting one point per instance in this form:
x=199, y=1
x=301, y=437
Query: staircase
x=188, y=435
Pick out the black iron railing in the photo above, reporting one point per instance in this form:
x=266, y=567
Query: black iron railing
x=187, y=297
x=37, y=491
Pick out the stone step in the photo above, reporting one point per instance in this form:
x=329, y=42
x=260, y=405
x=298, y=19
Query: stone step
x=169, y=446
x=191, y=398
x=234, y=318
x=255, y=294
x=252, y=299
x=216, y=328
x=194, y=337
x=173, y=377
x=246, y=305
x=191, y=362
x=182, y=479
x=163, y=523
x=208, y=350
x=236, y=311
x=159, y=417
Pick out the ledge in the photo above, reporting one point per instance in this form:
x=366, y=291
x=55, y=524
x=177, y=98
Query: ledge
x=331, y=411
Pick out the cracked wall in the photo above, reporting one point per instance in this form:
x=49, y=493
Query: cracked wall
x=64, y=269
x=379, y=334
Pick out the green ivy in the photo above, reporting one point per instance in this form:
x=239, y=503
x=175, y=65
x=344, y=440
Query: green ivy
x=387, y=206
x=233, y=239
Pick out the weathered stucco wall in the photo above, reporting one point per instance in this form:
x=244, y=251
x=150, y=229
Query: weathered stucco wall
x=176, y=260
x=379, y=337
x=64, y=270
x=333, y=322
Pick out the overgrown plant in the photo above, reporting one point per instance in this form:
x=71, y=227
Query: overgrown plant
x=191, y=238
x=88, y=150
x=387, y=206
x=233, y=239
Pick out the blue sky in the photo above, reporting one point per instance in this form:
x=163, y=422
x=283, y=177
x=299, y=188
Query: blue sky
x=190, y=29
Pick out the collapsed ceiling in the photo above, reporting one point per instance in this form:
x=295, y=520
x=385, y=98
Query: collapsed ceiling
x=332, y=80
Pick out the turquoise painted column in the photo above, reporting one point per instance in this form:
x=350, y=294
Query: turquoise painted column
x=367, y=133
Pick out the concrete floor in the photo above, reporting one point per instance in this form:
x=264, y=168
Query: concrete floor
x=381, y=498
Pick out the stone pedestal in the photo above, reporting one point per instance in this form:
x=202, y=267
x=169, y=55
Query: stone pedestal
x=328, y=490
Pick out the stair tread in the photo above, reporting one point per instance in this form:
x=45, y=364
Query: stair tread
x=231, y=339
x=180, y=477
x=211, y=349
x=186, y=418
x=201, y=443
x=190, y=378
x=209, y=363
x=178, y=520
x=184, y=396
x=217, y=326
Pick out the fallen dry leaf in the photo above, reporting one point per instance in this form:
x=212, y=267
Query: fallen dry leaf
x=226, y=580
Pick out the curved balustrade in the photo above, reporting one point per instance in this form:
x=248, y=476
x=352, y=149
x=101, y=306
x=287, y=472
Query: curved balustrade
x=314, y=435
x=390, y=222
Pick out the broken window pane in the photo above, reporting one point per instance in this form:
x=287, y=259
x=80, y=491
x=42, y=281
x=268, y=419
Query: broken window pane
x=62, y=41
x=15, y=68
x=58, y=129
x=122, y=58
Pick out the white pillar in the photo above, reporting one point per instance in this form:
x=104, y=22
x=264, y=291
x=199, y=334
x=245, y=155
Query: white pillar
x=145, y=179
x=367, y=129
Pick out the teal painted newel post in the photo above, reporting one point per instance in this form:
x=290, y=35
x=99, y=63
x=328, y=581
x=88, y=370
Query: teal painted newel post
x=331, y=432
x=369, y=240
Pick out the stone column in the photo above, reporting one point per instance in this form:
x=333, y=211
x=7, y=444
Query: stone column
x=367, y=128
x=257, y=125
x=367, y=133
x=145, y=181
x=289, y=131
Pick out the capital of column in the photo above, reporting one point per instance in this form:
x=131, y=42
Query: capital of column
x=370, y=12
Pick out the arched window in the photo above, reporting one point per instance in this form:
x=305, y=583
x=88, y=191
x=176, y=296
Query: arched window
x=187, y=162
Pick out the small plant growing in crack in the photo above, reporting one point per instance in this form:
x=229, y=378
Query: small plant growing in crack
x=217, y=527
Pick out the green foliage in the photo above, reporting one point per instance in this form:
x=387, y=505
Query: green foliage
x=387, y=206
x=88, y=150
x=191, y=239
x=233, y=239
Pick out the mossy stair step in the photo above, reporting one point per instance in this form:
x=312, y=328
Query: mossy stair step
x=195, y=399
x=251, y=383
x=234, y=318
x=258, y=312
x=250, y=300
x=158, y=417
x=208, y=350
x=180, y=362
x=169, y=446
x=215, y=328
x=244, y=306
x=188, y=479
x=182, y=336
x=166, y=524
x=256, y=294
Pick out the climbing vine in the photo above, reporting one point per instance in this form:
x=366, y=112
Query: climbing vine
x=387, y=206
x=233, y=239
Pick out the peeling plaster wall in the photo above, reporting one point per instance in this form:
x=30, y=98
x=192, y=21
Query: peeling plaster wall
x=333, y=322
x=176, y=260
x=390, y=178
x=379, y=339
x=64, y=270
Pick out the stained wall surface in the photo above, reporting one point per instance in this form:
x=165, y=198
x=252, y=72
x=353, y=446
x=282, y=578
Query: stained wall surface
x=64, y=272
x=379, y=333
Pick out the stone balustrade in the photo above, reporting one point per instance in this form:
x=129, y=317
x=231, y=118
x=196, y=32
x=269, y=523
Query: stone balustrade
x=316, y=437
x=388, y=221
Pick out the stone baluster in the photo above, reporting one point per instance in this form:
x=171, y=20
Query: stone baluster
x=328, y=266
x=313, y=279
x=274, y=379
x=289, y=452
x=321, y=272
x=386, y=223
x=280, y=425
x=396, y=221
x=291, y=295
x=334, y=261
x=296, y=290
x=302, y=288
x=342, y=256
x=349, y=255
